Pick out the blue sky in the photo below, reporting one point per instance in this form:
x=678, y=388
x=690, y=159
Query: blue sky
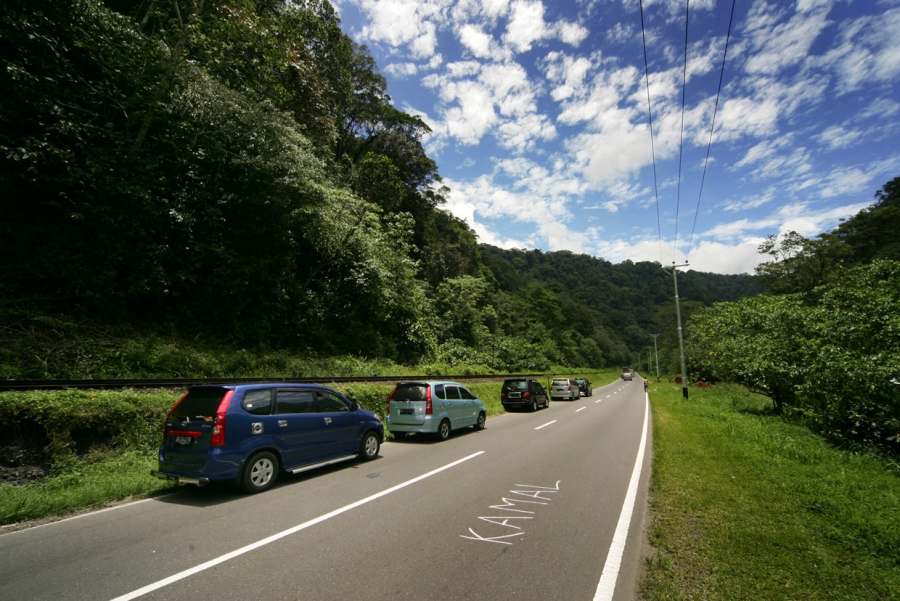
x=541, y=128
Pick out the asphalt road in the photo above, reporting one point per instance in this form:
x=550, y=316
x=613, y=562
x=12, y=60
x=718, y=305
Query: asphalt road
x=527, y=509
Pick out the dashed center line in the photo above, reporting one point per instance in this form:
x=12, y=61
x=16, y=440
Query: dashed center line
x=599, y=400
x=582, y=409
x=545, y=425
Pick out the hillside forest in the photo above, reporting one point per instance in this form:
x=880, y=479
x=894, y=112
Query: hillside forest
x=232, y=174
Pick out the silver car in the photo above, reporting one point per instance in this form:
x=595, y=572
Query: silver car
x=433, y=408
x=564, y=388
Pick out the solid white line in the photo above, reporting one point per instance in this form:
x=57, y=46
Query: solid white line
x=607, y=585
x=582, y=409
x=545, y=425
x=214, y=562
x=83, y=515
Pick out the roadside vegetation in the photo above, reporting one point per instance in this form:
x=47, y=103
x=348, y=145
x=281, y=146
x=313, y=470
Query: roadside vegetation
x=746, y=506
x=94, y=447
x=824, y=342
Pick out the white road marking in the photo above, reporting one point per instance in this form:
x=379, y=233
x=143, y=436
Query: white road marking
x=599, y=400
x=607, y=585
x=582, y=409
x=84, y=515
x=609, y=395
x=271, y=539
x=545, y=425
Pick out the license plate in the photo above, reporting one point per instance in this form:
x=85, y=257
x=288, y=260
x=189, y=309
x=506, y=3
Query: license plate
x=406, y=412
x=183, y=440
x=515, y=395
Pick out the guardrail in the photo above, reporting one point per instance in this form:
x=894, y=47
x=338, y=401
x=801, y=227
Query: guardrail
x=6, y=385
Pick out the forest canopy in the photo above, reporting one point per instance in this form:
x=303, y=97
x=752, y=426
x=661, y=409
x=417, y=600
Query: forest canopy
x=235, y=170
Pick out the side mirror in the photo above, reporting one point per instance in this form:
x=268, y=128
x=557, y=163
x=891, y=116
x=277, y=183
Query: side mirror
x=354, y=406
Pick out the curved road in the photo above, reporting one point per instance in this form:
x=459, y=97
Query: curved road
x=531, y=508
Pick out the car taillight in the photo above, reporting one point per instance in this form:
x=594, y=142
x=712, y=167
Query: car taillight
x=526, y=395
x=218, y=431
x=502, y=395
x=390, y=397
x=169, y=414
x=428, y=408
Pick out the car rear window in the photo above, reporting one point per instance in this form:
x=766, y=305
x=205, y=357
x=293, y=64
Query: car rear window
x=562, y=382
x=516, y=384
x=200, y=403
x=410, y=392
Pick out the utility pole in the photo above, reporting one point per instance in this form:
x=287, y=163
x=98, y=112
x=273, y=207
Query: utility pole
x=656, y=350
x=684, y=390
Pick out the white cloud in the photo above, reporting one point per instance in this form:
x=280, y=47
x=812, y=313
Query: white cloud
x=402, y=70
x=869, y=51
x=479, y=43
x=838, y=137
x=526, y=25
x=786, y=44
x=716, y=257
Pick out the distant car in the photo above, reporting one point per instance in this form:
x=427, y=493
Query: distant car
x=522, y=393
x=564, y=388
x=584, y=386
x=248, y=433
x=628, y=376
x=433, y=408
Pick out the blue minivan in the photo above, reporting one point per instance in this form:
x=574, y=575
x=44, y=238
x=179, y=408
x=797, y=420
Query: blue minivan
x=248, y=433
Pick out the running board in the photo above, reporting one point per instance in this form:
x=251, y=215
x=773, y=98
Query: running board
x=297, y=470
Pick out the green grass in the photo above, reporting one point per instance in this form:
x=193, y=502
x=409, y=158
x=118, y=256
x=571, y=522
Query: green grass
x=747, y=506
x=115, y=477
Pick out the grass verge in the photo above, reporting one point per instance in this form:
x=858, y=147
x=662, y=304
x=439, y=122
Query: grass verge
x=747, y=506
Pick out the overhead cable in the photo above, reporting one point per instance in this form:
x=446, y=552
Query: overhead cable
x=687, y=5
x=652, y=147
x=712, y=127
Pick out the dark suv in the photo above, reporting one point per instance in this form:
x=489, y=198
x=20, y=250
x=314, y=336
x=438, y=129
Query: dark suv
x=248, y=433
x=584, y=386
x=523, y=392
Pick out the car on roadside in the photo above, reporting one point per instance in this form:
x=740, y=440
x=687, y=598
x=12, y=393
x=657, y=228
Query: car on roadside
x=433, y=407
x=564, y=388
x=522, y=393
x=249, y=433
x=584, y=386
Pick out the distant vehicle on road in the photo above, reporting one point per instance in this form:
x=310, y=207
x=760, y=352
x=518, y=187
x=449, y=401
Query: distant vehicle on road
x=523, y=393
x=433, y=408
x=248, y=433
x=564, y=388
x=627, y=374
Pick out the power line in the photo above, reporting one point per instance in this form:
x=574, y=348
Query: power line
x=712, y=127
x=687, y=6
x=652, y=147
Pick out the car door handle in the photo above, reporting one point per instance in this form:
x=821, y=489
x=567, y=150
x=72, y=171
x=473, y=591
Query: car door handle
x=327, y=420
x=282, y=423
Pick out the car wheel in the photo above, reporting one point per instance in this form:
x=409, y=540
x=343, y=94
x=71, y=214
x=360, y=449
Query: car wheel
x=480, y=423
x=260, y=472
x=368, y=447
x=534, y=406
x=443, y=431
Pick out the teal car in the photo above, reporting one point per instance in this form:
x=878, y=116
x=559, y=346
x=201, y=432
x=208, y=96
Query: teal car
x=433, y=408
